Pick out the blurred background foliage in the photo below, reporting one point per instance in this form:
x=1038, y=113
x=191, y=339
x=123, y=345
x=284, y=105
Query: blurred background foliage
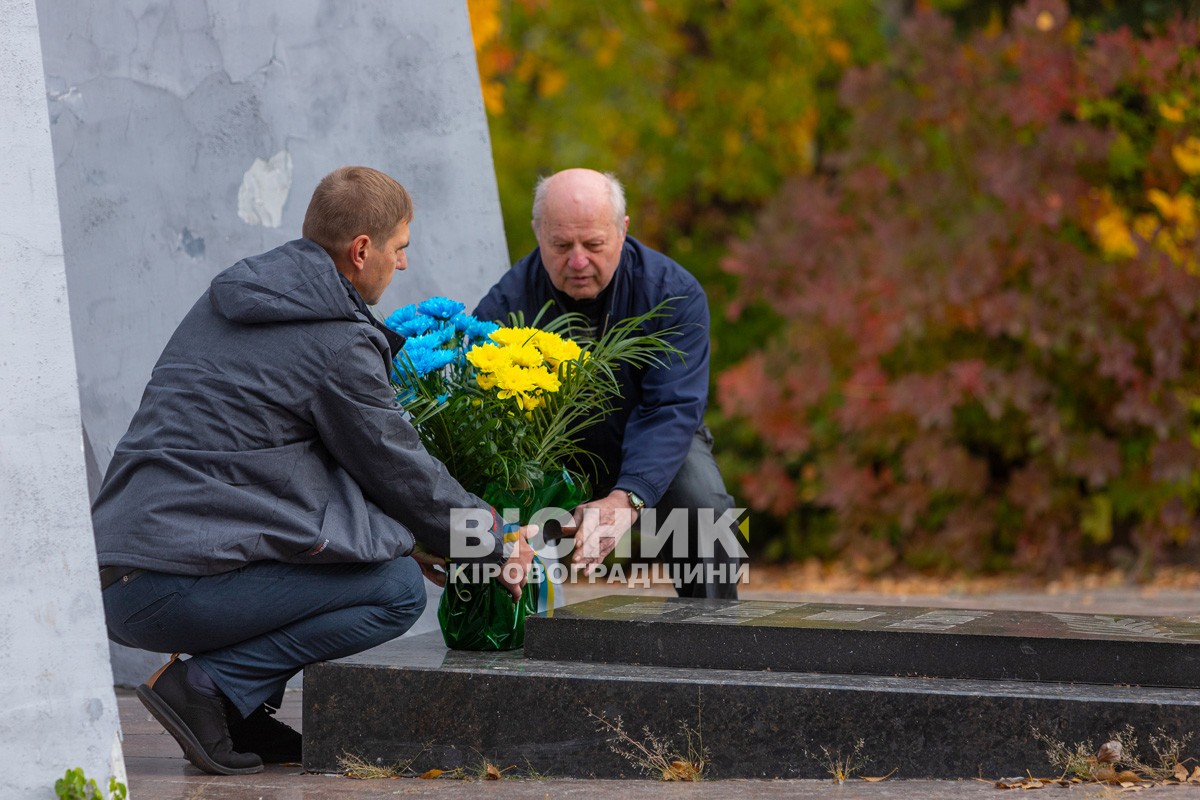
x=950, y=249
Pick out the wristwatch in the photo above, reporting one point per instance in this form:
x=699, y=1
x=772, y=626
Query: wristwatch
x=635, y=501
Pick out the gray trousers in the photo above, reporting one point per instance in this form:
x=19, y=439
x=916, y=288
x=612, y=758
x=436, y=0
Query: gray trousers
x=253, y=628
x=709, y=565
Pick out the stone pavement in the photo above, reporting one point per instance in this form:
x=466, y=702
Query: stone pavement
x=158, y=771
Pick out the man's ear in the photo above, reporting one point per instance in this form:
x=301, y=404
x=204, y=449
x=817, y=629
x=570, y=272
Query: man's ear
x=356, y=251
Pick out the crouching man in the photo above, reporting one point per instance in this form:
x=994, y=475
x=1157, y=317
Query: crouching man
x=262, y=510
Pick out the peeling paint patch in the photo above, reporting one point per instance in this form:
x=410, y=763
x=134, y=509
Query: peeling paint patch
x=71, y=99
x=94, y=709
x=191, y=244
x=264, y=190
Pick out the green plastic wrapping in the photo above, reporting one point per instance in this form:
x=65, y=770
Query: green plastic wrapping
x=482, y=615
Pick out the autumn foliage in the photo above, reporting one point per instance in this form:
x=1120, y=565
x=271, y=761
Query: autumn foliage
x=989, y=352
x=702, y=108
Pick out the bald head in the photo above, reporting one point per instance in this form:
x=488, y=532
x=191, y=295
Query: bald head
x=581, y=187
x=579, y=221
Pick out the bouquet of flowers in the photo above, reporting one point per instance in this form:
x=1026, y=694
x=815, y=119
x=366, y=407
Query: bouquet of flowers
x=503, y=408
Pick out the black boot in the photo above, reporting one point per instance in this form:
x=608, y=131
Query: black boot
x=268, y=738
x=196, y=721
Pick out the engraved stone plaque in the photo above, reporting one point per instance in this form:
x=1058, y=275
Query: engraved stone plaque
x=873, y=640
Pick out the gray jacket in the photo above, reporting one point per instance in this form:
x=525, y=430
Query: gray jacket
x=269, y=431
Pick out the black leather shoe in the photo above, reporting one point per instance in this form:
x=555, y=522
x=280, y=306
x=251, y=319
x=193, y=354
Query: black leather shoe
x=196, y=721
x=268, y=738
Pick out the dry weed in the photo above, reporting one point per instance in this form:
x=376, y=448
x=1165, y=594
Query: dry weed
x=655, y=755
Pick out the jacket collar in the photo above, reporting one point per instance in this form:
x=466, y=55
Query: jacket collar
x=395, y=341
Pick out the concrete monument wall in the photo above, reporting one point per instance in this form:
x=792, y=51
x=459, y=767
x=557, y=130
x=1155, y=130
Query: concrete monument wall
x=188, y=135
x=57, y=706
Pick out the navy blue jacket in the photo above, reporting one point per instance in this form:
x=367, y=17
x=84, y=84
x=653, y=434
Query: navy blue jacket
x=269, y=431
x=642, y=444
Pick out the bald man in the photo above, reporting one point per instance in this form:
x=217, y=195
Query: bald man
x=654, y=450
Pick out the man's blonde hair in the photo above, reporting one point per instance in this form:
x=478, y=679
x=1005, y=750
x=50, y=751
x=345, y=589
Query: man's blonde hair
x=351, y=201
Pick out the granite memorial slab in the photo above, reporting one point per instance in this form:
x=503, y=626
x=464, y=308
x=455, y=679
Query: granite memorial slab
x=872, y=640
x=413, y=701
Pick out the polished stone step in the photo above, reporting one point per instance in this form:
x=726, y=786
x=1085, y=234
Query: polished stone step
x=872, y=640
x=412, y=700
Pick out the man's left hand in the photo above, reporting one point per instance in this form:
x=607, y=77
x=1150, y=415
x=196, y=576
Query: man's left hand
x=600, y=525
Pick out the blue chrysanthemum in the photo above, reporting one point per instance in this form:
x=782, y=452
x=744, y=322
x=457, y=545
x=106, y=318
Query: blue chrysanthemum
x=431, y=339
x=425, y=360
x=440, y=307
x=400, y=316
x=415, y=327
x=474, y=329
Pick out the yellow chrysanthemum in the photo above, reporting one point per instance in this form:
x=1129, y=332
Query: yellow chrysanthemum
x=545, y=380
x=509, y=337
x=1187, y=155
x=555, y=348
x=522, y=364
x=524, y=355
x=513, y=380
x=487, y=357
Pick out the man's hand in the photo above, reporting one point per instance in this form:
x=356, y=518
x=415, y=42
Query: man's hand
x=427, y=561
x=515, y=571
x=600, y=525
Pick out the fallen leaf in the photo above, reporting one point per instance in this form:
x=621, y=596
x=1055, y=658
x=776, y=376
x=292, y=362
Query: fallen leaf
x=1125, y=777
x=492, y=773
x=1181, y=773
x=881, y=777
x=433, y=773
x=1195, y=776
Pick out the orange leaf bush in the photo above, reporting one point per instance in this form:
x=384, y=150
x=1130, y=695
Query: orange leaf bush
x=989, y=353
